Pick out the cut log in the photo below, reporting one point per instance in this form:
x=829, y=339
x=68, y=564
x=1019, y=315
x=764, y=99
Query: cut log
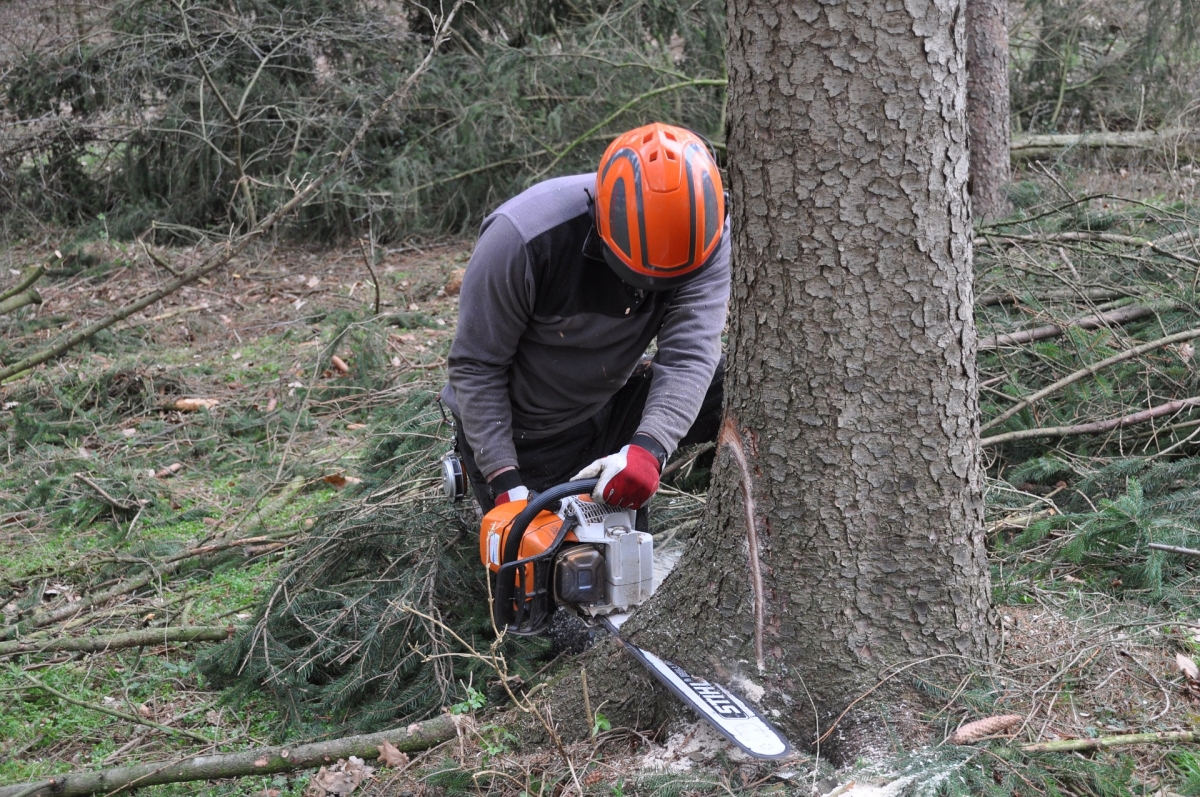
x=1120, y=316
x=266, y=761
x=128, y=639
x=1032, y=146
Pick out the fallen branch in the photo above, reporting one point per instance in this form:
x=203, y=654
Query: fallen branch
x=115, y=503
x=1029, y=146
x=1093, y=237
x=1178, y=337
x=266, y=761
x=276, y=538
x=1090, y=294
x=25, y=281
x=1105, y=742
x=19, y=300
x=128, y=639
x=1096, y=426
x=1120, y=316
x=1158, y=546
x=43, y=619
x=36, y=684
x=232, y=247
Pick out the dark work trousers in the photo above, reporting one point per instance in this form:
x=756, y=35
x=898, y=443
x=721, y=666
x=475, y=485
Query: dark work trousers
x=553, y=460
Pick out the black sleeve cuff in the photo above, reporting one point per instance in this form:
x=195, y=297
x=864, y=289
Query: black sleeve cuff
x=503, y=482
x=650, y=444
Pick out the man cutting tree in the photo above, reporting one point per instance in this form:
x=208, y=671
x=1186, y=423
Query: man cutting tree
x=569, y=284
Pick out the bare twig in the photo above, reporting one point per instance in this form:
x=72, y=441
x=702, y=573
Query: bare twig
x=115, y=503
x=369, y=259
x=1174, y=549
x=1097, y=237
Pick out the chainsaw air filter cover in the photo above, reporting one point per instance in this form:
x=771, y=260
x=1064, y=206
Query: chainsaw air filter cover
x=579, y=575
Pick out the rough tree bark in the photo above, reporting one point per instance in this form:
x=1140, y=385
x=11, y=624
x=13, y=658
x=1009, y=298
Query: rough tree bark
x=844, y=530
x=987, y=104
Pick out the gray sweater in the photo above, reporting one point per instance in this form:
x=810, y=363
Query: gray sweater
x=547, y=332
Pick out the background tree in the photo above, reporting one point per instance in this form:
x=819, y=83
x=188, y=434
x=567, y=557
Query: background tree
x=987, y=104
x=843, y=533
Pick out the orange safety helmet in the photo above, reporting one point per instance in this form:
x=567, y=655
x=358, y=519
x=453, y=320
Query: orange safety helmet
x=660, y=206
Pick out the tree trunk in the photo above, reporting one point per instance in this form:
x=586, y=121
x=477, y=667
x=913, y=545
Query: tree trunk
x=987, y=104
x=844, y=530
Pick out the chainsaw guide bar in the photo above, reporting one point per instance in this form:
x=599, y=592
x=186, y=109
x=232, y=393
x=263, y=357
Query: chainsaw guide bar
x=720, y=708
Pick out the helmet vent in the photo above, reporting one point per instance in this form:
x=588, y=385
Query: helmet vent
x=654, y=156
x=670, y=155
x=649, y=137
x=667, y=134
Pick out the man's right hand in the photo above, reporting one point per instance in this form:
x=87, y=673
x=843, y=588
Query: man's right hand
x=518, y=493
x=506, y=486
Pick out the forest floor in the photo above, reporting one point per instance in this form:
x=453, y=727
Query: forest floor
x=179, y=516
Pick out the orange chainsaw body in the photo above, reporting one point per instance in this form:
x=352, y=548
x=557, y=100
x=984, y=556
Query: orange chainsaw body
x=493, y=534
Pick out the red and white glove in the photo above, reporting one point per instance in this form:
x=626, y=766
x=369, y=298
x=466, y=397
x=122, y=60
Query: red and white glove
x=627, y=478
x=509, y=482
x=519, y=493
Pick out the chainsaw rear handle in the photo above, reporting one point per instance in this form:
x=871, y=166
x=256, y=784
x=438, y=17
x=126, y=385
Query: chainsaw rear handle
x=502, y=610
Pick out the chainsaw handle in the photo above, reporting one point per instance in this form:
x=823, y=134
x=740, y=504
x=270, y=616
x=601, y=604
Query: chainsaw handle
x=512, y=545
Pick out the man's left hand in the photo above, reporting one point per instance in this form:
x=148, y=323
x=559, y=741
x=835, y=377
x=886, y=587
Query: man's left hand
x=627, y=478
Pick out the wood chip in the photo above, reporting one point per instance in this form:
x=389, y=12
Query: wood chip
x=1187, y=667
x=169, y=471
x=194, y=404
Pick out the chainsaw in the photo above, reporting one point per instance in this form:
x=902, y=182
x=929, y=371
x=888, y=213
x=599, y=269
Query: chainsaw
x=583, y=556
x=561, y=549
